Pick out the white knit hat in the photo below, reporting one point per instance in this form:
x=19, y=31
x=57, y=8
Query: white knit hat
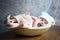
x=49, y=18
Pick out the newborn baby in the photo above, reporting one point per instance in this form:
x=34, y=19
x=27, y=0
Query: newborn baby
x=27, y=21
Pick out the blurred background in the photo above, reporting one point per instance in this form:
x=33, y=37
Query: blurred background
x=35, y=7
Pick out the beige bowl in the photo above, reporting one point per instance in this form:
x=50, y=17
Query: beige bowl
x=29, y=32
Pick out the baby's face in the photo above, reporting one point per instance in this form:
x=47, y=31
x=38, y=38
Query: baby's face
x=12, y=20
x=42, y=22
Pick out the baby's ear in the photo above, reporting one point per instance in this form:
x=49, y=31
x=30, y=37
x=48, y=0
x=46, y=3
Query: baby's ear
x=53, y=23
x=5, y=22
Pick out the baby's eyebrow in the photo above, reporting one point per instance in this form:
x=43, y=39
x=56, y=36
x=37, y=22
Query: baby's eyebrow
x=43, y=19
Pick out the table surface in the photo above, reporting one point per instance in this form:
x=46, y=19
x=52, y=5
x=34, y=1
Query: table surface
x=52, y=34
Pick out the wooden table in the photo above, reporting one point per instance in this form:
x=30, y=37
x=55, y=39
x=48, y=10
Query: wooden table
x=52, y=34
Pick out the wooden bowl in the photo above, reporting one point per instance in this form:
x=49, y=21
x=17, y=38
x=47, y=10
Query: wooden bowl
x=29, y=32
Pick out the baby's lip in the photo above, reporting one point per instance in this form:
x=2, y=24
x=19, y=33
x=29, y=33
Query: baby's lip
x=39, y=24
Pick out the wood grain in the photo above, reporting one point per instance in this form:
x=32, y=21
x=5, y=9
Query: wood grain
x=52, y=34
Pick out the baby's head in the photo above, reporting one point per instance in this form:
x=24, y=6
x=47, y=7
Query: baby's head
x=9, y=20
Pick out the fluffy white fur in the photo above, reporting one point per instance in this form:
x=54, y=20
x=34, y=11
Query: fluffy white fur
x=27, y=21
